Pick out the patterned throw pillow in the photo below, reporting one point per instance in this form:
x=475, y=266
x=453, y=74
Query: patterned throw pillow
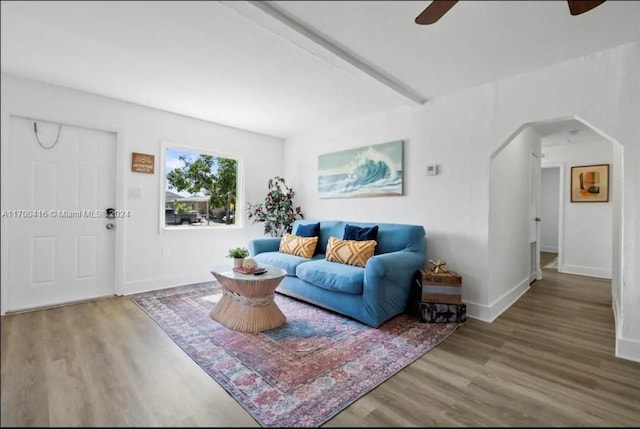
x=350, y=252
x=298, y=246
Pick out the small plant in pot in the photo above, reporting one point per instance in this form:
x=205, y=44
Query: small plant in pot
x=238, y=254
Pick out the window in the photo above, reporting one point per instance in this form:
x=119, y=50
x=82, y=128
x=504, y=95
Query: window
x=200, y=188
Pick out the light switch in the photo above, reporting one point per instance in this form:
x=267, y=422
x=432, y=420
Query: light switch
x=432, y=170
x=134, y=193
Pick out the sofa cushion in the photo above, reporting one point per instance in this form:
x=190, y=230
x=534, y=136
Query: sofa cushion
x=281, y=260
x=353, y=232
x=299, y=246
x=350, y=252
x=391, y=237
x=332, y=276
x=310, y=230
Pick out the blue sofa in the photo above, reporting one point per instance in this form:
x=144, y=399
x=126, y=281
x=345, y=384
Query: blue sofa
x=372, y=294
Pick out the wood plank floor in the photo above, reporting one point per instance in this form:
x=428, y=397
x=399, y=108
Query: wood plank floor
x=547, y=361
x=546, y=257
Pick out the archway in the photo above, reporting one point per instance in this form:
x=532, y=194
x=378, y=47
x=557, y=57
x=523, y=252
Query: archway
x=512, y=226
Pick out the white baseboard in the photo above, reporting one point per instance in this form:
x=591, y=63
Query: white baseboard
x=614, y=306
x=625, y=349
x=489, y=313
x=628, y=349
x=478, y=311
x=549, y=249
x=131, y=288
x=602, y=273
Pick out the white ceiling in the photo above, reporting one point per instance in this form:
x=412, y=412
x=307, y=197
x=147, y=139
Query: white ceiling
x=565, y=131
x=234, y=64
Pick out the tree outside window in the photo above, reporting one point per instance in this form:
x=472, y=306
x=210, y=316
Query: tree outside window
x=201, y=185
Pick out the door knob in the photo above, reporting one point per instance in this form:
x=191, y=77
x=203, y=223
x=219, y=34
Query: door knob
x=538, y=219
x=110, y=226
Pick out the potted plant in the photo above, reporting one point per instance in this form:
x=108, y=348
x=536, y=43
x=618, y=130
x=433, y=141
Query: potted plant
x=277, y=212
x=238, y=254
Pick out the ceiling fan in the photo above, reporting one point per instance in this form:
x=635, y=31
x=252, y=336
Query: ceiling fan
x=438, y=8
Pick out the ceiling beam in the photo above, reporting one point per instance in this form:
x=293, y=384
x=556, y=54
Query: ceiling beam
x=281, y=15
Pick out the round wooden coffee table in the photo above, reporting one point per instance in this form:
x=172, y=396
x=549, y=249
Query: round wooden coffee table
x=247, y=303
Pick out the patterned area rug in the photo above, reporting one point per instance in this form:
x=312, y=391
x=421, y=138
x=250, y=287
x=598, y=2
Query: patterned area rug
x=300, y=374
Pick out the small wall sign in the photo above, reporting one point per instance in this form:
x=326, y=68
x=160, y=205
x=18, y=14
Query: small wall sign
x=142, y=163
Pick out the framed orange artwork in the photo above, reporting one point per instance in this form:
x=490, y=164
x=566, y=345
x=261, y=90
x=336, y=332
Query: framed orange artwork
x=590, y=183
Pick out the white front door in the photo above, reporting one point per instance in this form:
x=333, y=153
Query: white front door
x=60, y=249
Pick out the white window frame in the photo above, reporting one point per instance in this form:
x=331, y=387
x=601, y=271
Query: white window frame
x=239, y=219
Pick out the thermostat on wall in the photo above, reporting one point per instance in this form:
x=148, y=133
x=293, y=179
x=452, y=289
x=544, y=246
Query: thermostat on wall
x=432, y=170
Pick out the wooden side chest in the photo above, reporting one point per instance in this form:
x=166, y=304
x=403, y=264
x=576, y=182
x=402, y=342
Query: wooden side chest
x=440, y=288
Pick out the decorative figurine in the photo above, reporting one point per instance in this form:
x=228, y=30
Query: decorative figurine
x=438, y=266
x=249, y=264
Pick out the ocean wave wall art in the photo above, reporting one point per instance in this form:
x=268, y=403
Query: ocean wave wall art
x=368, y=171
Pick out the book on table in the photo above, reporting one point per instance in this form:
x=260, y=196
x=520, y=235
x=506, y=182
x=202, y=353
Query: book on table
x=256, y=270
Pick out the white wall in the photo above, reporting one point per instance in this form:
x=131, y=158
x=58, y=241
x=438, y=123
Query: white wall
x=459, y=132
x=510, y=219
x=148, y=256
x=549, y=208
x=616, y=231
x=587, y=227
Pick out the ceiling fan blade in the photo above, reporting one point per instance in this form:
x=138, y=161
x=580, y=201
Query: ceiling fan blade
x=435, y=11
x=576, y=7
